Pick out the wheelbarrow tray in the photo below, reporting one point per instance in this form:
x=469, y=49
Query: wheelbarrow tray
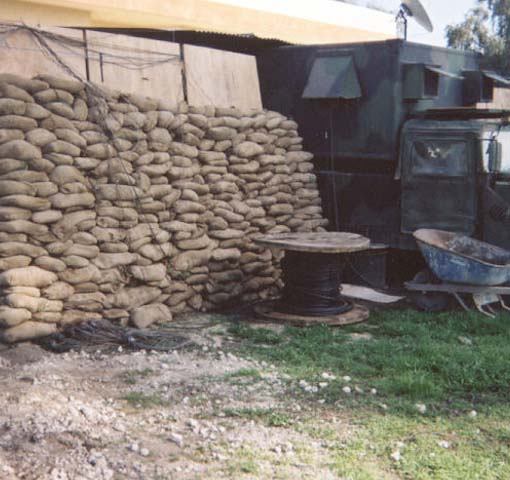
x=459, y=259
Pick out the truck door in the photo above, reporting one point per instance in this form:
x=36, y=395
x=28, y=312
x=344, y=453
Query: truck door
x=438, y=181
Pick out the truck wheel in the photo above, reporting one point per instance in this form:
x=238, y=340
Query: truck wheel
x=429, y=301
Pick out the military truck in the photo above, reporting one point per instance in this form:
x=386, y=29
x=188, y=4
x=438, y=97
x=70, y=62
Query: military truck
x=402, y=139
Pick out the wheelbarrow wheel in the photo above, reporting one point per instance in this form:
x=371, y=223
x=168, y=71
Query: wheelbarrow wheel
x=430, y=301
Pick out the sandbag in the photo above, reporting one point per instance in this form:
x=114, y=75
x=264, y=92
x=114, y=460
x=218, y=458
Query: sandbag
x=9, y=317
x=151, y=273
x=19, y=150
x=146, y=315
x=129, y=298
x=27, y=277
x=58, y=291
x=28, y=330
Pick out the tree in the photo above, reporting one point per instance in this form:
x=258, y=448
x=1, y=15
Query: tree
x=485, y=29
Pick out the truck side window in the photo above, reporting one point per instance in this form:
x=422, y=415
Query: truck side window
x=439, y=158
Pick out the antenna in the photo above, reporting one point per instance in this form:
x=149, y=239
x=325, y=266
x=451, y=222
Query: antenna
x=412, y=8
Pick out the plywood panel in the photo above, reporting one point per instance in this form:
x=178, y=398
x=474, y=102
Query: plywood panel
x=501, y=99
x=136, y=65
x=223, y=79
x=20, y=53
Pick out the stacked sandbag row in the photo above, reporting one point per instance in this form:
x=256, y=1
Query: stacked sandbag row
x=140, y=211
x=45, y=204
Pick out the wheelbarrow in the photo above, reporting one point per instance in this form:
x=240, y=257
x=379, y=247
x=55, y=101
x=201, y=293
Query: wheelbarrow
x=461, y=266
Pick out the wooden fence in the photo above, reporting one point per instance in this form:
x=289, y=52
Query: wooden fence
x=164, y=70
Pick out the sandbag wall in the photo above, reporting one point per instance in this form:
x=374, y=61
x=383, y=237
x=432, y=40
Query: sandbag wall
x=115, y=206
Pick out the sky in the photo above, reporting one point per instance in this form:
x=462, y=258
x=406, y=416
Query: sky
x=441, y=13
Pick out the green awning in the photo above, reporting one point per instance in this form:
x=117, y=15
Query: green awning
x=498, y=79
x=333, y=77
x=440, y=71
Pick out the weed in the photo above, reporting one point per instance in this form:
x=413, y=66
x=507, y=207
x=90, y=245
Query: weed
x=270, y=417
x=245, y=462
x=141, y=400
x=243, y=376
x=255, y=335
x=131, y=377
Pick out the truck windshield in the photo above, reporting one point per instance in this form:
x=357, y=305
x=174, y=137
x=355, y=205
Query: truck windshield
x=439, y=158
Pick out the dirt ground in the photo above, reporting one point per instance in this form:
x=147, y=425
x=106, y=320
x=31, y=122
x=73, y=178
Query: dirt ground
x=147, y=415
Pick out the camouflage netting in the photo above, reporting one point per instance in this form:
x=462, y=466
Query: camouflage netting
x=118, y=207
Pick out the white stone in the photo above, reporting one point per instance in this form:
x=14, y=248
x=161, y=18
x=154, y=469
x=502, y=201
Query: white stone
x=396, y=455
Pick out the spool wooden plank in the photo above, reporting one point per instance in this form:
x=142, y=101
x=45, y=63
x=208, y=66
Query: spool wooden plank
x=222, y=79
x=21, y=54
x=136, y=65
x=316, y=242
x=358, y=314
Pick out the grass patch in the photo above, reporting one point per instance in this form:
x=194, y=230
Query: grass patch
x=131, y=377
x=452, y=362
x=245, y=462
x=141, y=400
x=243, y=376
x=411, y=357
x=270, y=417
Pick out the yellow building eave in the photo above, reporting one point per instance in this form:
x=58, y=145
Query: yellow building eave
x=209, y=15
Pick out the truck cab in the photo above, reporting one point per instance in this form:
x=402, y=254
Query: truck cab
x=455, y=175
x=404, y=136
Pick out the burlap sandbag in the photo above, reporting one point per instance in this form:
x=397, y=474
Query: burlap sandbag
x=9, y=317
x=25, y=201
x=34, y=304
x=45, y=189
x=11, y=187
x=28, y=330
x=19, y=150
x=187, y=260
x=66, y=174
x=24, y=226
x=68, y=224
x=27, y=277
x=47, y=216
x=151, y=273
x=63, y=201
x=17, y=122
x=58, y=291
x=111, y=260
x=47, y=317
x=129, y=298
x=118, y=192
x=50, y=263
x=156, y=253
x=80, y=275
x=74, y=261
x=146, y=315
x=14, y=213
x=115, y=313
x=17, y=261
x=10, y=249
x=86, y=251
x=79, y=300
x=71, y=317
x=30, y=291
